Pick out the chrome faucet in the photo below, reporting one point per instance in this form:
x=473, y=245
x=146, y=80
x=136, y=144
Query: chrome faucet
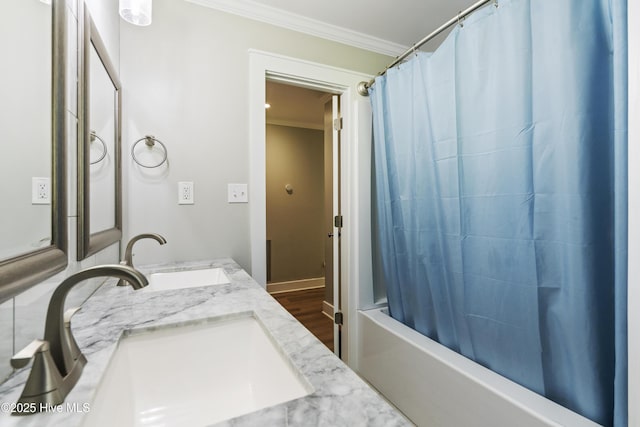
x=57, y=360
x=128, y=253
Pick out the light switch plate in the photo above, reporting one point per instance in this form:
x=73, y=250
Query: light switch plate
x=237, y=193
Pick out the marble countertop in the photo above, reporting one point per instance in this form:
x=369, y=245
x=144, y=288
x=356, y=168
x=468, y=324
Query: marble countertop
x=340, y=397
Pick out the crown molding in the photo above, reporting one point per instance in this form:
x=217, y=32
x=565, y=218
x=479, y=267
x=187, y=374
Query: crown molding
x=292, y=21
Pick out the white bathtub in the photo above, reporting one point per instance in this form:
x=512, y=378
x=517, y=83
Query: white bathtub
x=435, y=386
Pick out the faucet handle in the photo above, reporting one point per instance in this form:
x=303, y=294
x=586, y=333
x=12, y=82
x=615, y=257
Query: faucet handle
x=22, y=358
x=44, y=384
x=68, y=315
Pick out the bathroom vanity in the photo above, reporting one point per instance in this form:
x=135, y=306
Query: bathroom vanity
x=331, y=394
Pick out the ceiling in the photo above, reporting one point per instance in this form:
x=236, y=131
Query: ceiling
x=400, y=21
x=388, y=27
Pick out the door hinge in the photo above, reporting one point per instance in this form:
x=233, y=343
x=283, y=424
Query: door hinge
x=337, y=318
x=337, y=124
x=337, y=221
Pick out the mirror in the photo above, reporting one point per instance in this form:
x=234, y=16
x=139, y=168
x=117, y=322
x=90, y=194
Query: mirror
x=33, y=131
x=99, y=168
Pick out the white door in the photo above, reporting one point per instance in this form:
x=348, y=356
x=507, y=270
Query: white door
x=332, y=125
x=332, y=276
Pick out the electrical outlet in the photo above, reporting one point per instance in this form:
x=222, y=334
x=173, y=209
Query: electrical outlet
x=41, y=190
x=237, y=193
x=185, y=193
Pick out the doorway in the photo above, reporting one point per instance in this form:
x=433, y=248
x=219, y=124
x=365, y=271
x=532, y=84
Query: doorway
x=355, y=160
x=300, y=203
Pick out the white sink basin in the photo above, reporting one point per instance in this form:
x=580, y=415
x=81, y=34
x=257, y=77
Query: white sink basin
x=186, y=279
x=194, y=375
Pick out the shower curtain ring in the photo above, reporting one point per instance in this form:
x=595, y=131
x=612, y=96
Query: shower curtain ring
x=495, y=3
x=460, y=18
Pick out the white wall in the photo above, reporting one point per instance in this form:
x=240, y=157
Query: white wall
x=185, y=81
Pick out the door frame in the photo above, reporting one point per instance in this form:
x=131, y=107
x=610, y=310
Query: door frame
x=263, y=65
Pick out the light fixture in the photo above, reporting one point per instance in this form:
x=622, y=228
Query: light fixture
x=137, y=12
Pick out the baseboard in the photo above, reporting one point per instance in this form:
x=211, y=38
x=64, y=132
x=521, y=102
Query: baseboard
x=295, y=285
x=327, y=309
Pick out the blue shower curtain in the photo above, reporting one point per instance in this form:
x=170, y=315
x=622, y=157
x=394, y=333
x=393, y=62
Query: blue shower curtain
x=500, y=185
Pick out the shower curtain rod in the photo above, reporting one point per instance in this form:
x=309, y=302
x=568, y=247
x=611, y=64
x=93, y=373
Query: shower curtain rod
x=363, y=87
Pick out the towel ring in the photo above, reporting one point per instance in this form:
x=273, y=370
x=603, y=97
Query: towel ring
x=149, y=141
x=92, y=137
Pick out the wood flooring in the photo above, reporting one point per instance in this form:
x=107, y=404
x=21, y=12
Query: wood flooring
x=306, y=306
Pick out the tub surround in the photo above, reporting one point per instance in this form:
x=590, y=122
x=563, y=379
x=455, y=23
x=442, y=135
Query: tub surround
x=340, y=397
